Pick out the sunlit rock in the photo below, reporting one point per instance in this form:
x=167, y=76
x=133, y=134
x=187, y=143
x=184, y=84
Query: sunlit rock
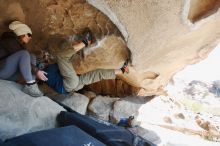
x=21, y=113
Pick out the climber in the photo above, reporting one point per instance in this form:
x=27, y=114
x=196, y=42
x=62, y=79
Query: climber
x=15, y=57
x=62, y=76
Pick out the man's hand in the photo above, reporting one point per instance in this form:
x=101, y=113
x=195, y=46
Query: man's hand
x=41, y=75
x=89, y=43
x=88, y=37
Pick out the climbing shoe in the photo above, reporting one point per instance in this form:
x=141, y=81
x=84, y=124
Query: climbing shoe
x=32, y=90
x=125, y=68
x=88, y=37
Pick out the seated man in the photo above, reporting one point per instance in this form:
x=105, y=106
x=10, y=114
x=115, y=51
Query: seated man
x=62, y=76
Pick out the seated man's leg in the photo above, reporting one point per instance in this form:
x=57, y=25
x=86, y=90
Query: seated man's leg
x=95, y=76
x=19, y=60
x=70, y=78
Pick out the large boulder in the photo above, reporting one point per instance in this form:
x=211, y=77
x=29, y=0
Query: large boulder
x=75, y=101
x=101, y=106
x=126, y=107
x=163, y=35
x=21, y=113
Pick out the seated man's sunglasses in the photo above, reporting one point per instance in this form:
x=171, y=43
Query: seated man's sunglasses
x=29, y=35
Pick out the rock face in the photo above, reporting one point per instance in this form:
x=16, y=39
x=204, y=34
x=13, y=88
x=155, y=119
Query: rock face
x=127, y=107
x=163, y=36
x=101, y=107
x=21, y=113
x=159, y=36
x=75, y=101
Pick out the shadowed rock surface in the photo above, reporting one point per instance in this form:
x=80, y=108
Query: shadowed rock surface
x=21, y=113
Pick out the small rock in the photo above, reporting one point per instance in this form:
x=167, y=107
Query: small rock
x=203, y=124
x=198, y=121
x=168, y=120
x=177, y=104
x=179, y=116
